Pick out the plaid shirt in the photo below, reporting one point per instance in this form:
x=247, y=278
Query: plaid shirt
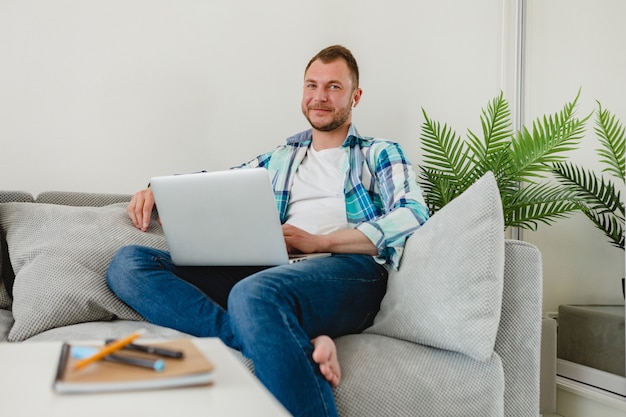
x=383, y=199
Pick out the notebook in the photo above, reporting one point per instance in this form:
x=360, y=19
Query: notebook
x=222, y=218
x=112, y=375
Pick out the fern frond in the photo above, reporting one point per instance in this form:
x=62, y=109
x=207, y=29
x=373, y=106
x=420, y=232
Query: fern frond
x=610, y=224
x=538, y=203
x=551, y=137
x=495, y=122
x=595, y=192
x=443, y=150
x=599, y=200
x=612, y=136
x=490, y=151
x=438, y=189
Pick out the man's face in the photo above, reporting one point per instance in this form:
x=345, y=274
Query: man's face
x=328, y=95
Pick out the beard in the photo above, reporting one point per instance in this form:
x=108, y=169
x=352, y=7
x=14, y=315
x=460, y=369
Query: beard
x=340, y=117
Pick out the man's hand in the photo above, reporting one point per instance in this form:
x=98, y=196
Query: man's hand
x=140, y=209
x=341, y=241
x=299, y=241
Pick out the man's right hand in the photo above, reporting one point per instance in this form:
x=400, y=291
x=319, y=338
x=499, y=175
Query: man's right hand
x=140, y=209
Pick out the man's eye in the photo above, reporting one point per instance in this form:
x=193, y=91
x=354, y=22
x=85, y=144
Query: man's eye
x=335, y=87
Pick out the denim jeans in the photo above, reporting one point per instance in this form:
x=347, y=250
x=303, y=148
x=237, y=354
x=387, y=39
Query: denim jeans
x=269, y=314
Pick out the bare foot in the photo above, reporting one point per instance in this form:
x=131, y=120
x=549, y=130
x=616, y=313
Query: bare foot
x=325, y=355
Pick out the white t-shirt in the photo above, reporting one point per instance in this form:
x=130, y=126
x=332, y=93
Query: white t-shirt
x=317, y=203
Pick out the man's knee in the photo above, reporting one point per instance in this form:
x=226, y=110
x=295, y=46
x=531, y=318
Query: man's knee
x=252, y=294
x=123, y=266
x=239, y=295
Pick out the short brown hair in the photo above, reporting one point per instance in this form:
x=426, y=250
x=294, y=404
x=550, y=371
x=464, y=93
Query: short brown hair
x=334, y=52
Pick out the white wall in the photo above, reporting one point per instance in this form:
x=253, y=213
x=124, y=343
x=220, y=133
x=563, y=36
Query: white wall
x=574, y=44
x=101, y=95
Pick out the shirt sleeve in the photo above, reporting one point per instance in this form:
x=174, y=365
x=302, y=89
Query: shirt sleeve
x=401, y=200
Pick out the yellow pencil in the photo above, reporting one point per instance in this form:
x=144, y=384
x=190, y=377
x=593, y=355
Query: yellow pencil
x=107, y=350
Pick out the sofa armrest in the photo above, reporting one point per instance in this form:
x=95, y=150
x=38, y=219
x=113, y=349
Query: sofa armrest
x=519, y=336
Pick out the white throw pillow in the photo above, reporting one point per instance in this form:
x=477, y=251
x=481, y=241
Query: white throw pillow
x=447, y=292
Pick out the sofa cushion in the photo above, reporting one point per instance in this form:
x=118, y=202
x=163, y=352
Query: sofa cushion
x=382, y=376
x=114, y=329
x=6, y=282
x=60, y=255
x=5, y=298
x=6, y=322
x=447, y=292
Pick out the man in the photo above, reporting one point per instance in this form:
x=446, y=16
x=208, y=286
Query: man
x=337, y=192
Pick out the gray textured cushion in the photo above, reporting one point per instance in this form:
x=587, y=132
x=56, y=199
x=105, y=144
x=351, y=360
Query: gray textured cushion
x=382, y=376
x=6, y=322
x=5, y=300
x=448, y=291
x=60, y=255
x=7, y=197
x=114, y=329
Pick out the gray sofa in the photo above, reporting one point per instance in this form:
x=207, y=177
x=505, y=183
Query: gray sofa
x=458, y=333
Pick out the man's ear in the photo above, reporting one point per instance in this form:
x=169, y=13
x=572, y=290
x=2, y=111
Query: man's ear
x=357, y=97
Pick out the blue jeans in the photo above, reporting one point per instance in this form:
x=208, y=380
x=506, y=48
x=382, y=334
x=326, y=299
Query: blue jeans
x=269, y=314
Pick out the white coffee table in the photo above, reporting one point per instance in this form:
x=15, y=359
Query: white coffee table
x=27, y=371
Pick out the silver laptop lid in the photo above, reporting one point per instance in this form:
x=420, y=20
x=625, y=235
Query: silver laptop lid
x=220, y=218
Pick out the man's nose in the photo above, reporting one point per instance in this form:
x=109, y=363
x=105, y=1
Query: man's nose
x=320, y=96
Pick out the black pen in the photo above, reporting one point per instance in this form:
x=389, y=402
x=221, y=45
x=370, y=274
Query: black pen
x=166, y=353
x=156, y=365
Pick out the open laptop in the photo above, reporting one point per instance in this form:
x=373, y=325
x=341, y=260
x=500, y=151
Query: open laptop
x=226, y=218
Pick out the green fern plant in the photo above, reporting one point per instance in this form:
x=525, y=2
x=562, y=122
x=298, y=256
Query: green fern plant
x=599, y=198
x=521, y=162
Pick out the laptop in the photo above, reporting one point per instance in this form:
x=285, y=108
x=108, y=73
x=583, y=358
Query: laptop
x=222, y=218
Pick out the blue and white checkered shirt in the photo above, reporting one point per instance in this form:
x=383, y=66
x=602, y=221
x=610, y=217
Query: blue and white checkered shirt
x=383, y=198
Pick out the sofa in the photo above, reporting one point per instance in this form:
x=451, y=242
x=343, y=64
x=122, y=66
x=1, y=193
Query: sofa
x=458, y=332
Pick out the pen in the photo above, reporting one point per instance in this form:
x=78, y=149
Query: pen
x=157, y=365
x=65, y=355
x=107, y=349
x=167, y=353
